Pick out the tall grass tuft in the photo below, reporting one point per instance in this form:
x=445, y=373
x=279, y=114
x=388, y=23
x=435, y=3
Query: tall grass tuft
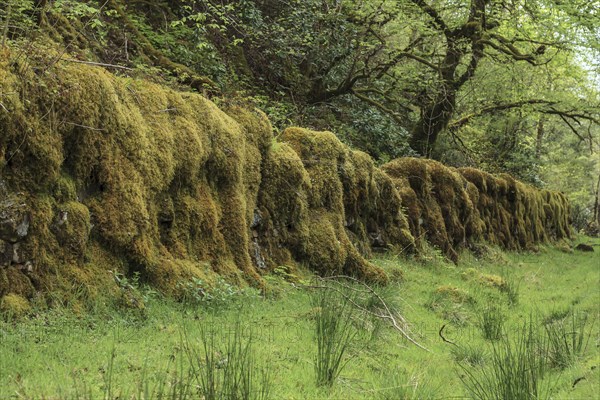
x=491, y=321
x=515, y=371
x=511, y=287
x=334, y=333
x=226, y=367
x=568, y=338
x=400, y=385
x=472, y=355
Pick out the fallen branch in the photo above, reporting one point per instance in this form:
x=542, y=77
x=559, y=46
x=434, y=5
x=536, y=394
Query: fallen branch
x=97, y=64
x=387, y=313
x=441, y=333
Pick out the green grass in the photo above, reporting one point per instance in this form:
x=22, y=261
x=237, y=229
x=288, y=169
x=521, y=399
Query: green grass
x=170, y=349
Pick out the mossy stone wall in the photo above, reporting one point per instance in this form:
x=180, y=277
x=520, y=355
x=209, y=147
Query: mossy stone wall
x=119, y=175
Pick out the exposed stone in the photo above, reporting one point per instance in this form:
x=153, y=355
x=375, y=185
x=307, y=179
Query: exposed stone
x=584, y=247
x=14, y=219
x=256, y=219
x=258, y=258
x=5, y=253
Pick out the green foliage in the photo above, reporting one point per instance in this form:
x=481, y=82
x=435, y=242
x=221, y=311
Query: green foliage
x=511, y=288
x=16, y=18
x=467, y=354
x=83, y=354
x=400, y=385
x=218, y=295
x=224, y=366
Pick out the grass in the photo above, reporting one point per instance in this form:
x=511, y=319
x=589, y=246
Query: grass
x=516, y=369
x=568, y=338
x=167, y=351
x=224, y=365
x=491, y=321
x=334, y=333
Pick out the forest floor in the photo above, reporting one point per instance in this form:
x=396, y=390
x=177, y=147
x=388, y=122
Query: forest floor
x=542, y=306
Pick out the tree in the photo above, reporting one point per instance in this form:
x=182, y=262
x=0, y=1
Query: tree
x=410, y=58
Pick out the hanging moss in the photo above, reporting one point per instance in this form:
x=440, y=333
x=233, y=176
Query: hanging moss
x=340, y=203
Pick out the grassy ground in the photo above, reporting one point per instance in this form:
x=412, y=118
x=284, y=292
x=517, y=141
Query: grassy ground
x=168, y=346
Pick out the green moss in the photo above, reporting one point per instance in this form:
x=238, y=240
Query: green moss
x=453, y=294
x=72, y=227
x=14, y=306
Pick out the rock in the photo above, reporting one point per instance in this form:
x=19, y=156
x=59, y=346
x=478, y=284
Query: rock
x=260, y=261
x=256, y=219
x=14, y=219
x=584, y=247
x=5, y=253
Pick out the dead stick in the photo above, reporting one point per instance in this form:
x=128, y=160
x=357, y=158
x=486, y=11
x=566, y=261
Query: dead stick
x=97, y=64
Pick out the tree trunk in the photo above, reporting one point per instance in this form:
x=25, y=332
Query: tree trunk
x=539, y=138
x=597, y=204
x=434, y=119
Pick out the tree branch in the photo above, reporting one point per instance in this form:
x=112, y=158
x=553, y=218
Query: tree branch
x=395, y=116
x=459, y=123
x=438, y=22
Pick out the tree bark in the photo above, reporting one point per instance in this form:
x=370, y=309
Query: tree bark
x=597, y=204
x=539, y=138
x=434, y=119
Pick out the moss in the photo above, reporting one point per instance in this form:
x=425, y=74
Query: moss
x=342, y=203
x=489, y=280
x=14, y=306
x=281, y=224
x=436, y=200
x=453, y=294
x=64, y=189
x=15, y=280
x=72, y=227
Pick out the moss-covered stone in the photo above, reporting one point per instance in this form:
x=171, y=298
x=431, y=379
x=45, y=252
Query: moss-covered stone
x=14, y=306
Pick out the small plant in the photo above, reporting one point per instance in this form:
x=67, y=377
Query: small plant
x=334, y=333
x=403, y=386
x=515, y=370
x=467, y=354
x=567, y=339
x=491, y=322
x=219, y=295
x=226, y=367
x=511, y=288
